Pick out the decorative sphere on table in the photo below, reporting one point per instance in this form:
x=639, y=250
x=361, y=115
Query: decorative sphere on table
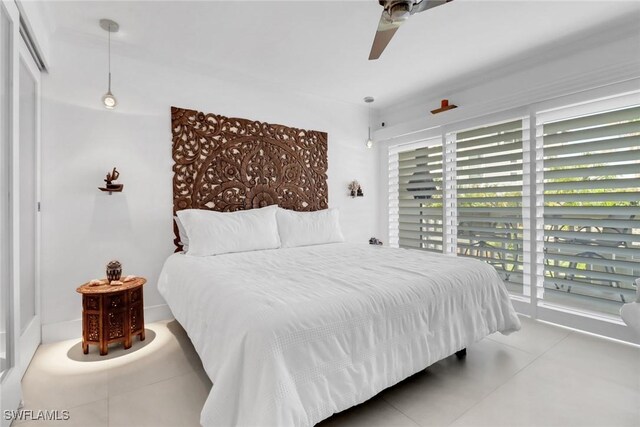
x=114, y=271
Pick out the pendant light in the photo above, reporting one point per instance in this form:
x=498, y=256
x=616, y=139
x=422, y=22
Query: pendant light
x=369, y=100
x=108, y=99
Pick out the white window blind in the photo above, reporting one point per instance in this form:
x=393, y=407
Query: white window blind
x=591, y=176
x=489, y=187
x=416, y=197
x=558, y=216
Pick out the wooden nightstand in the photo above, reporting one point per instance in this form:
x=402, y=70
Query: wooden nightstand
x=112, y=314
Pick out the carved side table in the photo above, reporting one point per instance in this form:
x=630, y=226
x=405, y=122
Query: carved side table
x=111, y=314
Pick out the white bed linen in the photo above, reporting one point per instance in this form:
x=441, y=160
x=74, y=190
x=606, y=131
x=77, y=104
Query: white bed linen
x=308, y=228
x=291, y=336
x=217, y=233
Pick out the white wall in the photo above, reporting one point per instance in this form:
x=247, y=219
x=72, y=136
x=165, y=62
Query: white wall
x=84, y=228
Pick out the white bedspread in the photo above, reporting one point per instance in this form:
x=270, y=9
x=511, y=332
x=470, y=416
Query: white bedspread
x=291, y=336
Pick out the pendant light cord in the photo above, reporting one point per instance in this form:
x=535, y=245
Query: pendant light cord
x=109, y=57
x=369, y=121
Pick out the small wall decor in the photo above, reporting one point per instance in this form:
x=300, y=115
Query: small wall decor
x=355, y=190
x=374, y=241
x=444, y=106
x=114, y=271
x=112, y=186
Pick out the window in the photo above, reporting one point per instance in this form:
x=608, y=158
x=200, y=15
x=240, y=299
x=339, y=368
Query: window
x=591, y=179
x=489, y=190
x=416, y=197
x=556, y=212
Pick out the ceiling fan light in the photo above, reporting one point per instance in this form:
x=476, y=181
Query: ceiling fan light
x=109, y=101
x=400, y=12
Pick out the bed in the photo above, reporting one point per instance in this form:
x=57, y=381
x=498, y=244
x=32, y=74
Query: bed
x=290, y=336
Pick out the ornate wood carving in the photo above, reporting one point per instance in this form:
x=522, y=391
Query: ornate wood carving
x=93, y=327
x=229, y=164
x=92, y=303
x=115, y=301
x=116, y=324
x=135, y=314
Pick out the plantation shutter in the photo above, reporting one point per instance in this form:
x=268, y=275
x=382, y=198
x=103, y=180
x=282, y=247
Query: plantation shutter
x=489, y=187
x=415, y=197
x=591, y=209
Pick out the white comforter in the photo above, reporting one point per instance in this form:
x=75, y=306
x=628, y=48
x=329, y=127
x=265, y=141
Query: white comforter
x=291, y=336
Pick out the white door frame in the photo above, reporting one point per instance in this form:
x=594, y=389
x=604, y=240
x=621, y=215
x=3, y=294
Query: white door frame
x=31, y=336
x=10, y=389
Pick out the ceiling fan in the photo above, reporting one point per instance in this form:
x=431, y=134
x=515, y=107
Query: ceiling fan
x=394, y=14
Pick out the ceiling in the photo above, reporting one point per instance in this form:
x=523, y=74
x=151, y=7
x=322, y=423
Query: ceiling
x=321, y=47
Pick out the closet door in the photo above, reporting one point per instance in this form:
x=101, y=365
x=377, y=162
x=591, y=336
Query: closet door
x=29, y=154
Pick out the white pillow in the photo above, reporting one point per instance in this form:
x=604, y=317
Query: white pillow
x=182, y=235
x=308, y=228
x=215, y=233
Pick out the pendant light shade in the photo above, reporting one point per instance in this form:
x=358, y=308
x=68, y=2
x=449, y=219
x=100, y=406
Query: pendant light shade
x=369, y=143
x=108, y=99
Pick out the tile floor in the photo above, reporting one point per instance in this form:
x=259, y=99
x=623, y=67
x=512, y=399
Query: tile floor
x=541, y=376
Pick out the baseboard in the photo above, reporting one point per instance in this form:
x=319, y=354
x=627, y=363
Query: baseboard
x=557, y=315
x=71, y=329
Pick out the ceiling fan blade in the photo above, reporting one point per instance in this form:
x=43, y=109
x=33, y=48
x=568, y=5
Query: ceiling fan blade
x=380, y=42
x=426, y=5
x=385, y=32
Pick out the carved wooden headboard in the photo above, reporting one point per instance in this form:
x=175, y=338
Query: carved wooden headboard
x=230, y=164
